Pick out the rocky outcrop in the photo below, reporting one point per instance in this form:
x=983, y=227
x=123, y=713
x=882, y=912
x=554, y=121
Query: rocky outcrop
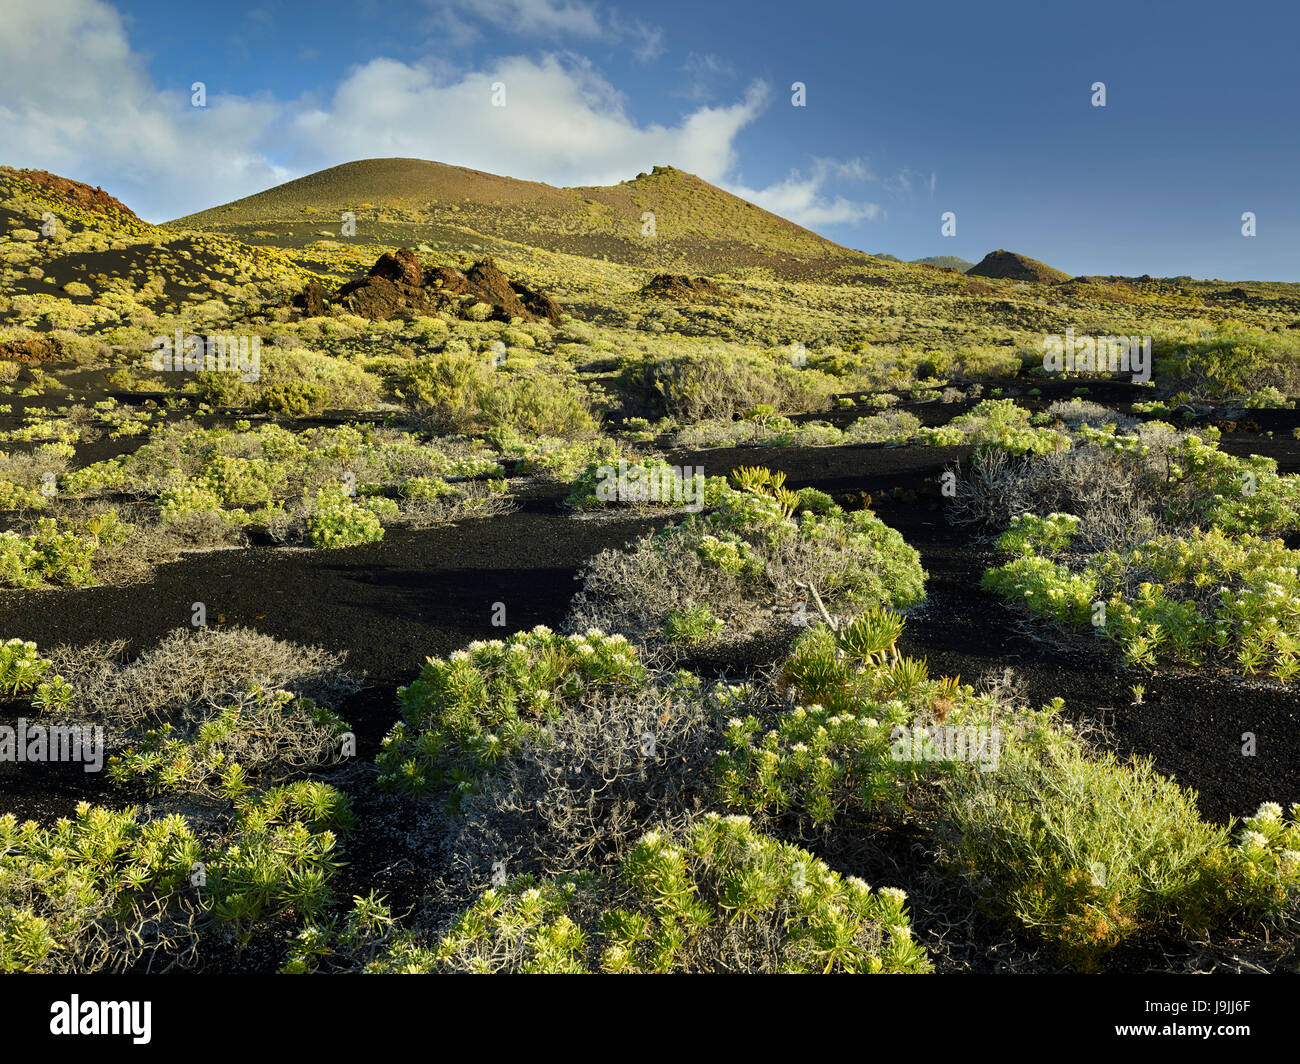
x=539, y=304
x=398, y=284
x=311, y=300
x=31, y=350
x=95, y=199
x=679, y=286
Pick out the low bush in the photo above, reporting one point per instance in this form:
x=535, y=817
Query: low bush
x=259, y=739
x=1128, y=488
x=721, y=897
x=466, y=712
x=192, y=672
x=764, y=547
x=856, y=734
x=25, y=674
x=75, y=897
x=1207, y=597
x=1089, y=852
x=338, y=520
x=464, y=393
x=721, y=385
x=1230, y=364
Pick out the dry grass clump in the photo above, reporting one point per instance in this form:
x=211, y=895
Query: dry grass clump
x=1077, y=412
x=1099, y=487
x=192, y=669
x=582, y=793
x=754, y=565
x=722, y=385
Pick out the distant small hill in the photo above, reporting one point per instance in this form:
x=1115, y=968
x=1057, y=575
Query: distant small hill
x=1011, y=266
x=944, y=262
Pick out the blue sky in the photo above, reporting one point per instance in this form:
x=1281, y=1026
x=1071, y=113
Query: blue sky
x=912, y=110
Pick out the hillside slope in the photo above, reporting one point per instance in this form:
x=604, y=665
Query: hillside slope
x=665, y=219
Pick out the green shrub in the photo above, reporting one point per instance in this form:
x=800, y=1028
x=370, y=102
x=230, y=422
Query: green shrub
x=648, y=481
x=17, y=497
x=1234, y=363
x=1089, y=852
x=722, y=898
x=25, y=674
x=283, y=856
x=74, y=897
x=763, y=545
x=367, y=939
x=692, y=626
x=1029, y=534
x=58, y=555
x=295, y=398
x=262, y=734
x=722, y=385
x=1188, y=599
x=463, y=393
x=337, y=520
x=850, y=742
x=466, y=712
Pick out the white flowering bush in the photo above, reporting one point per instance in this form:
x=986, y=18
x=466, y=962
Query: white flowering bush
x=1029, y=533
x=25, y=674
x=467, y=711
x=834, y=749
x=721, y=897
x=1268, y=849
x=1208, y=596
x=338, y=520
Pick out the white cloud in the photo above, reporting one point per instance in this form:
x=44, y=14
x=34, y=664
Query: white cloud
x=531, y=17
x=460, y=22
x=805, y=199
x=562, y=123
x=652, y=42
x=78, y=101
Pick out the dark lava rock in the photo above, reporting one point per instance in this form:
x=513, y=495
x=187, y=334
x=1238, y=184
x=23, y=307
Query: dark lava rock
x=679, y=286
x=311, y=300
x=539, y=304
x=403, y=267
x=379, y=299
x=397, y=284
x=447, y=279
x=31, y=349
x=493, y=286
